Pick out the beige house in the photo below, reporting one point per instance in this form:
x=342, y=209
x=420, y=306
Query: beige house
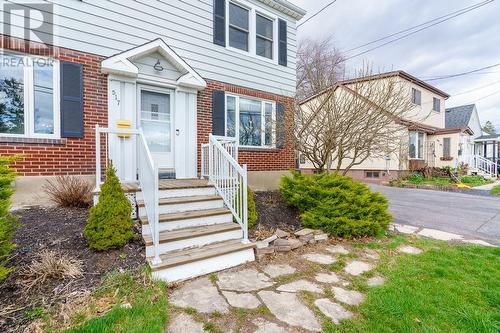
x=430, y=141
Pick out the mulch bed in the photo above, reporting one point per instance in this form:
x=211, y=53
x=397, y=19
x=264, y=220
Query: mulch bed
x=57, y=229
x=273, y=212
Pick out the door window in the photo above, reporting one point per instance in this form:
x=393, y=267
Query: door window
x=156, y=121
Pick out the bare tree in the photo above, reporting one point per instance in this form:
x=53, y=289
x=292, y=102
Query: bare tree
x=345, y=124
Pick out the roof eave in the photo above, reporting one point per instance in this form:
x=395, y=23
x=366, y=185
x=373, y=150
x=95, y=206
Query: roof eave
x=286, y=7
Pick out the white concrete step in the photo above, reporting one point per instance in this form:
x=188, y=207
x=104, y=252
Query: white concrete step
x=193, y=237
x=189, y=219
x=184, y=204
x=186, y=264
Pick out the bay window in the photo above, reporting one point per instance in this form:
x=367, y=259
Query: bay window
x=29, y=96
x=417, y=145
x=250, y=120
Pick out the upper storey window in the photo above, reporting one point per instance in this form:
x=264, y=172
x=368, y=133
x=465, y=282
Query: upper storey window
x=416, y=96
x=265, y=37
x=238, y=27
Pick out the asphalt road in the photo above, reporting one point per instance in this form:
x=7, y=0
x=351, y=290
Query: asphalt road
x=469, y=215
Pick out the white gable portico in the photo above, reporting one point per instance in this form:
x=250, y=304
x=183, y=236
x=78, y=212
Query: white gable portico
x=151, y=88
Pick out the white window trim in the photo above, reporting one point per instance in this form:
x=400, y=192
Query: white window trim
x=263, y=115
x=29, y=100
x=252, y=35
x=416, y=147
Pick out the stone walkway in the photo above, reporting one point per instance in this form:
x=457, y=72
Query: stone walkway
x=293, y=292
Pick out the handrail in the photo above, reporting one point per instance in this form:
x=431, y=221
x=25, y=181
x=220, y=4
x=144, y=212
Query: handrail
x=228, y=177
x=148, y=178
x=485, y=165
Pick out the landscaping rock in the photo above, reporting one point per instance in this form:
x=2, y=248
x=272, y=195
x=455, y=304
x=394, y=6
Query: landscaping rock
x=304, y=232
x=375, y=281
x=409, y=249
x=320, y=237
x=244, y=280
x=262, y=252
x=438, y=234
x=282, y=234
x=307, y=239
x=265, y=326
x=405, y=229
x=333, y=310
x=201, y=295
x=182, y=323
x=300, y=285
x=357, y=268
x=295, y=243
x=350, y=297
x=320, y=258
x=265, y=243
x=371, y=254
x=278, y=270
x=337, y=249
x=245, y=301
x=288, y=308
x=327, y=277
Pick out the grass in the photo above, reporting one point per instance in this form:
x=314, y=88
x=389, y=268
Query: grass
x=440, y=181
x=495, y=190
x=445, y=289
x=147, y=311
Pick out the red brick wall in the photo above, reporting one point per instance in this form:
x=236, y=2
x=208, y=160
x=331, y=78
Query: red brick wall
x=66, y=156
x=256, y=159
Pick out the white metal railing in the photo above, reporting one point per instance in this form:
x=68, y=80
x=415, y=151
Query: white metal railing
x=484, y=165
x=220, y=165
x=148, y=178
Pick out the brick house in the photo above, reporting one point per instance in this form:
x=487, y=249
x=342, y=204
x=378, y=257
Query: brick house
x=169, y=74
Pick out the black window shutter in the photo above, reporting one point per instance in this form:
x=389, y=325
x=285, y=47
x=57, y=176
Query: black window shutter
x=71, y=100
x=220, y=22
x=280, y=126
x=218, y=113
x=283, y=43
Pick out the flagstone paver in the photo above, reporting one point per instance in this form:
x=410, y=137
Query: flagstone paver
x=278, y=270
x=371, y=254
x=182, y=323
x=320, y=258
x=333, y=310
x=350, y=297
x=299, y=285
x=245, y=301
x=265, y=326
x=244, y=280
x=375, y=281
x=358, y=267
x=288, y=308
x=337, y=249
x=327, y=277
x=201, y=295
x=410, y=249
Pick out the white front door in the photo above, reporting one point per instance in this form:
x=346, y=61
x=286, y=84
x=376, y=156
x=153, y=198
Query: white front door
x=156, y=120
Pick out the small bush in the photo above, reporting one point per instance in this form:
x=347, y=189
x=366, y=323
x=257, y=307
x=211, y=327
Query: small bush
x=473, y=180
x=416, y=178
x=337, y=204
x=109, y=225
x=7, y=222
x=69, y=191
x=252, y=210
x=51, y=265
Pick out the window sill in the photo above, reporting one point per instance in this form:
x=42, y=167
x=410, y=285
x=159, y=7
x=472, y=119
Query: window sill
x=10, y=139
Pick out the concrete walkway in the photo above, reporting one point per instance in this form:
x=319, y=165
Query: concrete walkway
x=472, y=216
x=487, y=187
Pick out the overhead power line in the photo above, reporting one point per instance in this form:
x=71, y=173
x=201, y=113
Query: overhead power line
x=419, y=25
x=421, y=29
x=475, y=89
x=317, y=13
x=484, y=97
x=442, y=77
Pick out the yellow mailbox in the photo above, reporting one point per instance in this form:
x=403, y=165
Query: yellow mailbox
x=123, y=123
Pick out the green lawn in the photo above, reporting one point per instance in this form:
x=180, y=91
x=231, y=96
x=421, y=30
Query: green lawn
x=445, y=289
x=147, y=312
x=471, y=181
x=496, y=190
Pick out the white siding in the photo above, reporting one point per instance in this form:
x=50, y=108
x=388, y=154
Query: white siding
x=108, y=27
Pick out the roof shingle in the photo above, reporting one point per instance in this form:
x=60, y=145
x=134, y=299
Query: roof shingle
x=458, y=117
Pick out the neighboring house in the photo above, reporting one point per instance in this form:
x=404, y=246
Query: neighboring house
x=431, y=141
x=180, y=70
x=479, y=144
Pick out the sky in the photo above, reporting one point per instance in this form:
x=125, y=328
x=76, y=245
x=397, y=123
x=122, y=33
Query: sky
x=461, y=44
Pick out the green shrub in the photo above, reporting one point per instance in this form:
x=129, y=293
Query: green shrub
x=7, y=222
x=495, y=190
x=337, y=204
x=109, y=225
x=473, y=180
x=416, y=178
x=252, y=210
